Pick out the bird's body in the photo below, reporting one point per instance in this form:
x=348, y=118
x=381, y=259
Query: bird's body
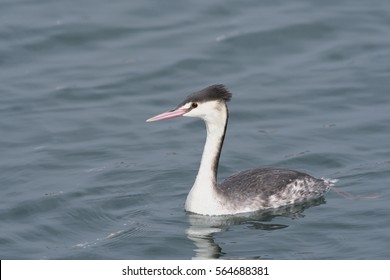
x=248, y=190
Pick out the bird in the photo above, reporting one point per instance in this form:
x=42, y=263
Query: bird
x=246, y=191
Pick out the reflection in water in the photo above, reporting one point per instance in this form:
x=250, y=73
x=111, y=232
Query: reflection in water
x=201, y=229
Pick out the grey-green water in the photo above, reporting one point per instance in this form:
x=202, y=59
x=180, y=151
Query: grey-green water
x=84, y=177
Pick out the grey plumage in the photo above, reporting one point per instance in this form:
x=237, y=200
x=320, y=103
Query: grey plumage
x=270, y=188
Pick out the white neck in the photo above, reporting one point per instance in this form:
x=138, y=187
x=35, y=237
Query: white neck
x=203, y=197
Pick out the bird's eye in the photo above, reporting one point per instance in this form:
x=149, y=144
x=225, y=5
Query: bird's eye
x=194, y=105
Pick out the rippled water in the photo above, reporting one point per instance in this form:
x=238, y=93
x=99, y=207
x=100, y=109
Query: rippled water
x=84, y=177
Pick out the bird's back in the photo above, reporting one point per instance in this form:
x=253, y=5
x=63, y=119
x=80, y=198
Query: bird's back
x=264, y=188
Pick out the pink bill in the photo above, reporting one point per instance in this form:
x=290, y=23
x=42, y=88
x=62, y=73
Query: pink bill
x=168, y=115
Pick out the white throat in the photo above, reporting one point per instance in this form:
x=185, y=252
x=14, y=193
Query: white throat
x=203, y=197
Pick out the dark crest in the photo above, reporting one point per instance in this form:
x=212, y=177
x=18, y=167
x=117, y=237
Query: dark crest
x=214, y=92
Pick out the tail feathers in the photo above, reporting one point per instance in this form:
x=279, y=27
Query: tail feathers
x=330, y=182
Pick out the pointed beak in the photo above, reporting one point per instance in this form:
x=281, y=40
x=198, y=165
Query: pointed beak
x=168, y=115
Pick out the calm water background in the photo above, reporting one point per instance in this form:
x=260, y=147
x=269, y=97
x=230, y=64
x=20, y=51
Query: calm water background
x=84, y=177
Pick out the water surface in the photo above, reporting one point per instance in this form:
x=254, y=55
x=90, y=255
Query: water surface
x=84, y=177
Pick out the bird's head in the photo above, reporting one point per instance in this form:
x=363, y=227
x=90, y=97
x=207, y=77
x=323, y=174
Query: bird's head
x=207, y=104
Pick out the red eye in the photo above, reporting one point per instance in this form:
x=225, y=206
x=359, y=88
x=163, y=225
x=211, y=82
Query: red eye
x=194, y=105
